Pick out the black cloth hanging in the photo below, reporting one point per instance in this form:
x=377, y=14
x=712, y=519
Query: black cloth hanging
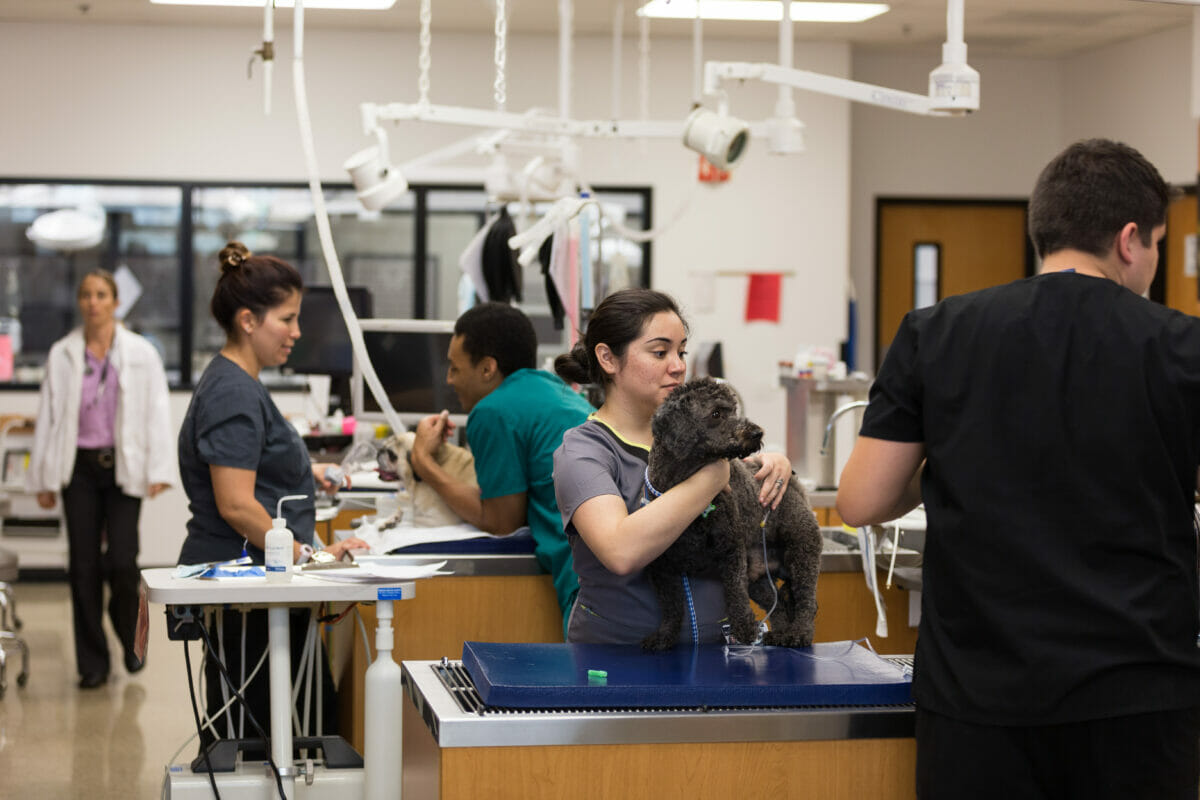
x=501, y=271
x=557, y=312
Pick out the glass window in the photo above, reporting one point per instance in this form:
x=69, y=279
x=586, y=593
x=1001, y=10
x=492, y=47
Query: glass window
x=162, y=239
x=139, y=244
x=375, y=249
x=927, y=274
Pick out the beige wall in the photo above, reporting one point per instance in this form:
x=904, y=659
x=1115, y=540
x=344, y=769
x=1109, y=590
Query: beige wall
x=1137, y=91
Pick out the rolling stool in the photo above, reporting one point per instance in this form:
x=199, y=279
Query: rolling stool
x=9, y=622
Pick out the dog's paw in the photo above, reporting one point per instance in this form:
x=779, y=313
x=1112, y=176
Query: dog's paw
x=788, y=639
x=659, y=641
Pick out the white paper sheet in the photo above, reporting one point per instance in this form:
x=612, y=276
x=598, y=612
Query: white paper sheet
x=381, y=573
x=405, y=535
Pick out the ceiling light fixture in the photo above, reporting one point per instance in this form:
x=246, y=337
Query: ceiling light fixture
x=344, y=5
x=762, y=10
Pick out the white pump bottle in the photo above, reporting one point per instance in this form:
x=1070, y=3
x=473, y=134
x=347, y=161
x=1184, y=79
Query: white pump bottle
x=278, y=545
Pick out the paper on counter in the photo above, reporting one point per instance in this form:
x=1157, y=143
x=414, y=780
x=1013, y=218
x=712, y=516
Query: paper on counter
x=381, y=573
x=384, y=542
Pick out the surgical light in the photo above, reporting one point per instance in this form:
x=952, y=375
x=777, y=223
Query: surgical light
x=719, y=138
x=376, y=181
x=762, y=10
x=345, y=5
x=68, y=229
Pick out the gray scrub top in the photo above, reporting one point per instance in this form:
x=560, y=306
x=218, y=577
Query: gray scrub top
x=233, y=422
x=592, y=461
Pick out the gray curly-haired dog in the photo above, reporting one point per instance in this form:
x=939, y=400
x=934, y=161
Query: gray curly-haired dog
x=697, y=424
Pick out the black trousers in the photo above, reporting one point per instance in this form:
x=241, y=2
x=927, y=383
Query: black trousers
x=1154, y=756
x=258, y=694
x=102, y=535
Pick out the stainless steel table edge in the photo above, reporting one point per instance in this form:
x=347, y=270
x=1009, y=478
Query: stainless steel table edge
x=452, y=726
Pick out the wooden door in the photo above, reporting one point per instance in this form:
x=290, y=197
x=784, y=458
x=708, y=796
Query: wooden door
x=1177, y=268
x=979, y=244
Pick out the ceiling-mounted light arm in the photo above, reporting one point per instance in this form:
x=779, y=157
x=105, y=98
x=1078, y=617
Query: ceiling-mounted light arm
x=954, y=85
x=717, y=71
x=785, y=133
x=526, y=123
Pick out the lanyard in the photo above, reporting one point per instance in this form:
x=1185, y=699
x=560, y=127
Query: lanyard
x=103, y=380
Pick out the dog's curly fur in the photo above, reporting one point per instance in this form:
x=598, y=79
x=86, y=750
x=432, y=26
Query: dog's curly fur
x=696, y=425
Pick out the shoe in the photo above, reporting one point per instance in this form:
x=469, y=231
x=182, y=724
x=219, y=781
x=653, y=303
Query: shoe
x=92, y=680
x=132, y=664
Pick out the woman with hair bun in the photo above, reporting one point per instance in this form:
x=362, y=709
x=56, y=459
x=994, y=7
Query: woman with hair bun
x=103, y=438
x=238, y=456
x=634, y=346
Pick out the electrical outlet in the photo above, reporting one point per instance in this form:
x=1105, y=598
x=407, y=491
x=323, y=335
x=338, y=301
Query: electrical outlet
x=183, y=623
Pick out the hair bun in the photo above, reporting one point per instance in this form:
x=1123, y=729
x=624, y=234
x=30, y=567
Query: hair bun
x=233, y=255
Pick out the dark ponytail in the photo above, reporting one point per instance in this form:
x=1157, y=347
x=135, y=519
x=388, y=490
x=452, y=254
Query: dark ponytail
x=257, y=283
x=617, y=321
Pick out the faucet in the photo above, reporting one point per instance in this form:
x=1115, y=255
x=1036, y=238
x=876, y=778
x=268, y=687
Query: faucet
x=833, y=418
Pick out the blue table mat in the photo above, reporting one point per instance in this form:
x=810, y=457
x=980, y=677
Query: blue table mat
x=624, y=676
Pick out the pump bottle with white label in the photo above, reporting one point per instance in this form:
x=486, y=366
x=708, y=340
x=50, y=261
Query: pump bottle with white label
x=278, y=545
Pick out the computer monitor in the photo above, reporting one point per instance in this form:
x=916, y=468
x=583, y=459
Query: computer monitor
x=324, y=344
x=410, y=358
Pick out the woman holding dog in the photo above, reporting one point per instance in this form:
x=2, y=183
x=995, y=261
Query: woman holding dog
x=238, y=456
x=635, y=346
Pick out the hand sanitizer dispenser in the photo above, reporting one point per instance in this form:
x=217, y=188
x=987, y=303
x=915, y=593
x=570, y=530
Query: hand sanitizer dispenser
x=278, y=545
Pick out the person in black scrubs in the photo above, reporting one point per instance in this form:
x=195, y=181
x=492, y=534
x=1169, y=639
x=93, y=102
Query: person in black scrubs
x=1052, y=428
x=238, y=455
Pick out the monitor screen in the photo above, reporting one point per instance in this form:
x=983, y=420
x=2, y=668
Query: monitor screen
x=324, y=344
x=412, y=366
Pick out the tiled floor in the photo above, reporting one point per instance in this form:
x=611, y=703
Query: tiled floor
x=58, y=741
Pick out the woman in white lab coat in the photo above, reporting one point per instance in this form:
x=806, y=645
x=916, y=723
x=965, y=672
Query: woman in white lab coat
x=103, y=438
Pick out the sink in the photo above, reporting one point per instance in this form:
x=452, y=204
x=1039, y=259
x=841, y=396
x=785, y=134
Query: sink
x=838, y=540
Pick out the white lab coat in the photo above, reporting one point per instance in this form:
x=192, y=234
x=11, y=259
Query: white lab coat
x=145, y=446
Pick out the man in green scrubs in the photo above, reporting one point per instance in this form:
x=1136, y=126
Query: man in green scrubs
x=517, y=415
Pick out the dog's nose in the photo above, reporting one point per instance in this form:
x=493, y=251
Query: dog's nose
x=751, y=431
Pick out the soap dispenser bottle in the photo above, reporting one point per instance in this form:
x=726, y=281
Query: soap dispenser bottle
x=278, y=545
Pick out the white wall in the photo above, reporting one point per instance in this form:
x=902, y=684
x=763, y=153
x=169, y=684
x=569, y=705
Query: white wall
x=1137, y=91
x=154, y=102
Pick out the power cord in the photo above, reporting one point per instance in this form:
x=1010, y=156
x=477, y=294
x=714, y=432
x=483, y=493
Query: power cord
x=187, y=660
x=249, y=714
x=209, y=722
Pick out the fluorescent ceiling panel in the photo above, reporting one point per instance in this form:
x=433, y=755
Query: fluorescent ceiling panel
x=762, y=10
x=345, y=5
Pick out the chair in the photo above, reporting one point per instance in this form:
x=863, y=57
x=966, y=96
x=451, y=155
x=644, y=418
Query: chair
x=9, y=622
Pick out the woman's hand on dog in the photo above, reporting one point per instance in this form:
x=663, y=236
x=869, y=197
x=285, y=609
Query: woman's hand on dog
x=773, y=471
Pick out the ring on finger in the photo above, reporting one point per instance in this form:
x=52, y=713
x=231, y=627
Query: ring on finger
x=779, y=482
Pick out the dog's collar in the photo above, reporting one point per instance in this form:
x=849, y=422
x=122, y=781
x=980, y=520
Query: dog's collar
x=650, y=486
x=651, y=490
x=408, y=458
